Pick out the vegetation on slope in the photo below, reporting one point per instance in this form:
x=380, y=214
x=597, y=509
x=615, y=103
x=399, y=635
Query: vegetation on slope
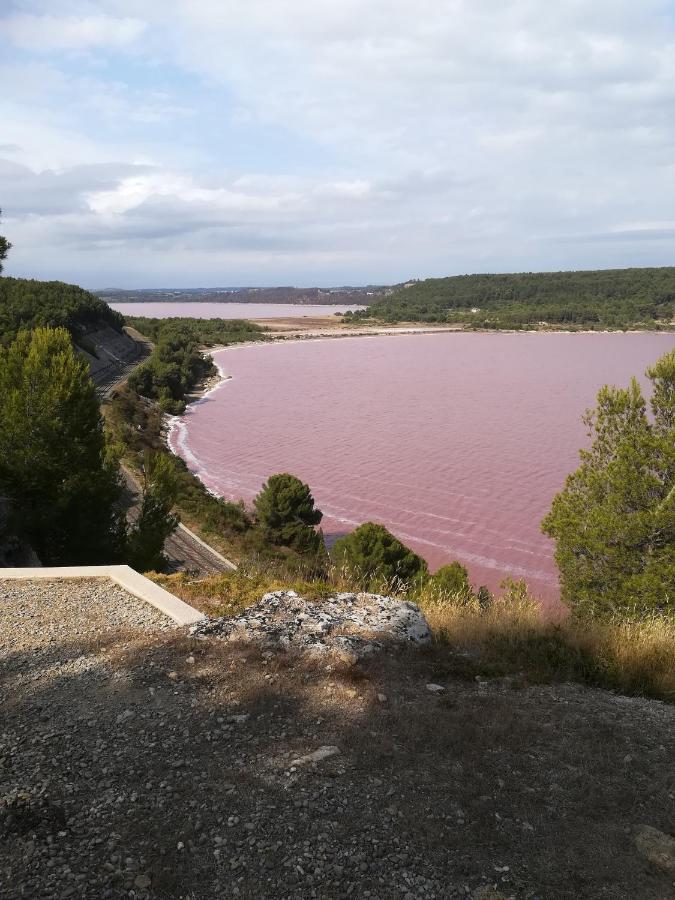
x=26, y=304
x=134, y=416
x=618, y=298
x=177, y=364
x=56, y=470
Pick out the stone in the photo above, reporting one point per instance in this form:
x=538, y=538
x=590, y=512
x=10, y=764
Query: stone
x=435, y=688
x=656, y=847
x=142, y=881
x=351, y=625
x=317, y=756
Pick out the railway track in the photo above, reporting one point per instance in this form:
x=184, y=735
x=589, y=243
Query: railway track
x=185, y=551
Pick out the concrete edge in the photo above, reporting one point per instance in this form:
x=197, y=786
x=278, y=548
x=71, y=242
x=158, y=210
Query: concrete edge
x=136, y=584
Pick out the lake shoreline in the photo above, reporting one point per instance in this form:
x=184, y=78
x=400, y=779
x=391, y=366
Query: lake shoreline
x=515, y=539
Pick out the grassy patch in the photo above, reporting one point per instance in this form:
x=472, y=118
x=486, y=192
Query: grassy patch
x=513, y=638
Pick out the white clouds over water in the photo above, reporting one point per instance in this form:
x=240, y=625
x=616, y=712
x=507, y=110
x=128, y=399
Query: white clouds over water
x=215, y=141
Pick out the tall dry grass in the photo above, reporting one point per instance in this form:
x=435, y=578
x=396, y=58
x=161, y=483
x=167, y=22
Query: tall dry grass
x=513, y=637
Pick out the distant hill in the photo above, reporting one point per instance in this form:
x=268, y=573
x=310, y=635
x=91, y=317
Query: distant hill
x=611, y=298
x=357, y=296
x=27, y=303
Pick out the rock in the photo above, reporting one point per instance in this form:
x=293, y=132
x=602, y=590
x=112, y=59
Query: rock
x=317, y=756
x=142, y=881
x=435, y=688
x=487, y=892
x=657, y=847
x=352, y=625
x=381, y=698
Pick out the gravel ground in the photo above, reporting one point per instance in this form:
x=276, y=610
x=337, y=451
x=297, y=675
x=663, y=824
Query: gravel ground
x=138, y=762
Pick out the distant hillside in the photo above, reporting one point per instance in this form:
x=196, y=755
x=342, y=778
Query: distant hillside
x=338, y=295
x=26, y=303
x=613, y=298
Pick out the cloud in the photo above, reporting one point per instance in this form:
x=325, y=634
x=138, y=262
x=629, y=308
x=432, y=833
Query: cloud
x=48, y=32
x=345, y=139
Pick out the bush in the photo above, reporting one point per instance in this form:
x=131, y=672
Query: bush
x=451, y=581
x=377, y=560
x=287, y=515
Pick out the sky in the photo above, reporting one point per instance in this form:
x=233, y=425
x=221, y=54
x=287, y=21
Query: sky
x=157, y=143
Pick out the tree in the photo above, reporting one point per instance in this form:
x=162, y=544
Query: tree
x=377, y=559
x=155, y=522
x=287, y=515
x=453, y=581
x=57, y=473
x=5, y=247
x=614, y=521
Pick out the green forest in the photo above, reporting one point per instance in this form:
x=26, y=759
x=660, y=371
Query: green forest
x=26, y=304
x=612, y=298
x=177, y=364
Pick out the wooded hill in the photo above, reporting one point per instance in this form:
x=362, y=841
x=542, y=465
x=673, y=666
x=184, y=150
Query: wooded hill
x=611, y=298
x=27, y=304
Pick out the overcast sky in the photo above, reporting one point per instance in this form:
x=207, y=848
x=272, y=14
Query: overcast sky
x=224, y=142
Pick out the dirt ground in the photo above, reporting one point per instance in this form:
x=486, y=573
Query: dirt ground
x=138, y=762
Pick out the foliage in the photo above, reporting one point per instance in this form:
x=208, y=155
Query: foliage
x=615, y=298
x=377, y=560
x=287, y=515
x=614, y=522
x=177, y=364
x=453, y=581
x=56, y=470
x=26, y=304
x=5, y=247
x=155, y=522
x=136, y=425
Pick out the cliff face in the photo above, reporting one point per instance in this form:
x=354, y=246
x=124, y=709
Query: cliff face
x=111, y=354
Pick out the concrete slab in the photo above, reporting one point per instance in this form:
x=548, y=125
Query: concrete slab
x=125, y=577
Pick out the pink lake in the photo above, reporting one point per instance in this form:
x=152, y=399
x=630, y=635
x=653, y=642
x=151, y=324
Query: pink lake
x=228, y=310
x=456, y=442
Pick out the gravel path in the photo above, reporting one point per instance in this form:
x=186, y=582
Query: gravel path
x=138, y=762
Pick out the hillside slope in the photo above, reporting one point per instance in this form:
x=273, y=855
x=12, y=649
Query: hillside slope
x=612, y=298
x=97, y=330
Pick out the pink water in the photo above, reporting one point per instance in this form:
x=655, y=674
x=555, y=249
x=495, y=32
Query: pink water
x=198, y=310
x=456, y=442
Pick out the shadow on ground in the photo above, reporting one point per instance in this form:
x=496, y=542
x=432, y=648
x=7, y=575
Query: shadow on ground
x=161, y=766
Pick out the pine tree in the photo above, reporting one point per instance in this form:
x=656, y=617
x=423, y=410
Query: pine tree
x=287, y=515
x=57, y=473
x=377, y=560
x=5, y=247
x=453, y=581
x=155, y=521
x=614, y=521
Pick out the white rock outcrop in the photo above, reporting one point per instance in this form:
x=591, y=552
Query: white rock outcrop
x=354, y=625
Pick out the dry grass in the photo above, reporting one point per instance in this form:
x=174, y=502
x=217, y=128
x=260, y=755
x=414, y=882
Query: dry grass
x=513, y=637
